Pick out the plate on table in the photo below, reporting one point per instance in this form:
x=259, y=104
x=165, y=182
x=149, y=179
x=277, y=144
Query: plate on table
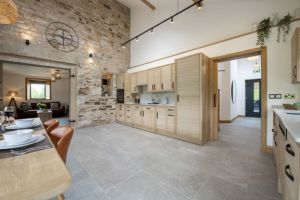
x=34, y=139
x=15, y=127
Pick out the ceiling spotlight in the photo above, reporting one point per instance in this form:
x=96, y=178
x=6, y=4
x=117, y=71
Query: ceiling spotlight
x=137, y=39
x=123, y=46
x=152, y=30
x=56, y=75
x=172, y=20
x=200, y=5
x=90, y=55
x=53, y=79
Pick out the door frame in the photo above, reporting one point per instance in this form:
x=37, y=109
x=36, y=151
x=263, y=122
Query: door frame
x=214, y=91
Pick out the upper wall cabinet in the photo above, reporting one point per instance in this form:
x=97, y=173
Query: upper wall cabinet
x=161, y=79
x=141, y=78
x=154, y=81
x=120, y=81
x=296, y=56
x=168, y=78
x=133, y=83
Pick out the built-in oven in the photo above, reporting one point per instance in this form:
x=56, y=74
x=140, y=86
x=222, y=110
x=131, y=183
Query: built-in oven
x=120, y=95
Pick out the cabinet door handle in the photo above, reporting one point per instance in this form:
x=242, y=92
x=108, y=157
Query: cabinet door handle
x=140, y=113
x=288, y=149
x=177, y=97
x=173, y=85
x=275, y=138
x=288, y=173
x=215, y=100
x=156, y=115
x=143, y=113
x=171, y=115
x=147, y=108
x=162, y=86
x=154, y=87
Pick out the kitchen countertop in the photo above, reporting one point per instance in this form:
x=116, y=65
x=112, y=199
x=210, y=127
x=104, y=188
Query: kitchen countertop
x=145, y=104
x=290, y=121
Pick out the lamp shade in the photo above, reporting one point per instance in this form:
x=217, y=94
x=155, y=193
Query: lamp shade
x=12, y=93
x=8, y=12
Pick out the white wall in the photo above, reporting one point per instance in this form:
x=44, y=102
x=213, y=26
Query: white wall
x=60, y=89
x=224, y=86
x=219, y=19
x=278, y=64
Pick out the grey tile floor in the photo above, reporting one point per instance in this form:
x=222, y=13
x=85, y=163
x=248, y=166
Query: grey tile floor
x=116, y=162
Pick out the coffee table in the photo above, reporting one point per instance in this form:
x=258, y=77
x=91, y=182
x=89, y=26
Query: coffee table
x=44, y=115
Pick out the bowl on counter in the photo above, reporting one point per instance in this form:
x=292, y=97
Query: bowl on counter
x=18, y=136
x=24, y=122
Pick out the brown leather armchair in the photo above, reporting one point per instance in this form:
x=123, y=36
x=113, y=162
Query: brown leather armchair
x=61, y=138
x=50, y=125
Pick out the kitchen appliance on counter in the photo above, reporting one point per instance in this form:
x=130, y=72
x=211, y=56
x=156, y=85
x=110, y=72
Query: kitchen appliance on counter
x=120, y=95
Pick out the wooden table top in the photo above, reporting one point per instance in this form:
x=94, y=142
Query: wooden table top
x=40, y=175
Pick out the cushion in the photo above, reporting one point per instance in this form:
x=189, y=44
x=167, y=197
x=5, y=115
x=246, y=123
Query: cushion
x=54, y=106
x=26, y=106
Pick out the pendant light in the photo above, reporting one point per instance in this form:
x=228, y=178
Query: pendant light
x=8, y=12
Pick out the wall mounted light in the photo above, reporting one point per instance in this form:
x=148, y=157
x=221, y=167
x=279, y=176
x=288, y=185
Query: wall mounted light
x=27, y=42
x=172, y=20
x=152, y=30
x=137, y=39
x=91, y=55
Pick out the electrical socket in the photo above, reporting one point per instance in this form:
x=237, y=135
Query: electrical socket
x=289, y=96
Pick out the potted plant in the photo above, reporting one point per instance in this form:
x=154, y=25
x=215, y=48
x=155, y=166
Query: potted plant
x=41, y=106
x=263, y=31
x=284, y=27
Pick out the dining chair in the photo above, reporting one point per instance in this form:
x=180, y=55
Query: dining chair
x=50, y=125
x=61, y=138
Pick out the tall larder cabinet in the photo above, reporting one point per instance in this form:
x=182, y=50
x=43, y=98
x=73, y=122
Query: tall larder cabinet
x=192, y=82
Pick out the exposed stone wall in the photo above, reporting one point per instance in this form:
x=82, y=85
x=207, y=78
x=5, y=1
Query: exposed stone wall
x=102, y=25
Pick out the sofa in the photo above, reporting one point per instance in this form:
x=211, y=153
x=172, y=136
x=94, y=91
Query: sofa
x=29, y=109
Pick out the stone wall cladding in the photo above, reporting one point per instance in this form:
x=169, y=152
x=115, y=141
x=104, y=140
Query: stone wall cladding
x=101, y=25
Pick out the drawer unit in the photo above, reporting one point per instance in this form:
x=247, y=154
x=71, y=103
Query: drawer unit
x=128, y=113
x=121, y=113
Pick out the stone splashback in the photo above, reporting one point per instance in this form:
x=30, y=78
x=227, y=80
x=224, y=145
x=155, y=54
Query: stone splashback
x=101, y=25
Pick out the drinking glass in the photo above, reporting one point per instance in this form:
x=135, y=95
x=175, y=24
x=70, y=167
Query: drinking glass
x=9, y=113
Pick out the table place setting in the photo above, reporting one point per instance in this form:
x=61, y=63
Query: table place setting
x=22, y=137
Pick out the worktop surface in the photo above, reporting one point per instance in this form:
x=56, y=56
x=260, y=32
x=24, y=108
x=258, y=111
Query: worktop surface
x=291, y=121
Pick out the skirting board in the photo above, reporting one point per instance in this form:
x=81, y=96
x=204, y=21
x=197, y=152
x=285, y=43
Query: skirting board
x=230, y=121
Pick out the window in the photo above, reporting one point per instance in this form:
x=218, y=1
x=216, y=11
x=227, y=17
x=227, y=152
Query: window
x=38, y=89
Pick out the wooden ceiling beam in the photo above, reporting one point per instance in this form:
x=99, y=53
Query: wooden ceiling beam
x=150, y=5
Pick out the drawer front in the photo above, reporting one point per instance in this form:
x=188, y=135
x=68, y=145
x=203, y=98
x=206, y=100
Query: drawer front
x=149, y=108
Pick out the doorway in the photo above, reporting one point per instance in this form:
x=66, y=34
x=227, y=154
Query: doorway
x=253, y=98
x=262, y=52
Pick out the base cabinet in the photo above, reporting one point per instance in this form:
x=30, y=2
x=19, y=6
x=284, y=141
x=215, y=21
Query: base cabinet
x=149, y=118
x=121, y=116
x=287, y=158
x=165, y=120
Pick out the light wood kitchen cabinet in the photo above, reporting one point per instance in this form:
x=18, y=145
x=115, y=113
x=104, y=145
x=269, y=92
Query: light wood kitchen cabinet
x=148, y=115
x=128, y=113
x=141, y=78
x=121, y=113
x=120, y=81
x=161, y=119
x=154, y=80
x=167, y=79
x=165, y=120
x=133, y=85
x=287, y=158
x=192, y=98
x=295, y=43
x=137, y=116
x=127, y=92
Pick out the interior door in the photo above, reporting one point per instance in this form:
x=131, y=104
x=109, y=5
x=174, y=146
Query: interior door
x=253, y=98
x=214, y=101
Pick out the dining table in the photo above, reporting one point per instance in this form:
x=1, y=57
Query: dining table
x=37, y=175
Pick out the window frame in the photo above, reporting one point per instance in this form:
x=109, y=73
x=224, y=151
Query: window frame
x=28, y=81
